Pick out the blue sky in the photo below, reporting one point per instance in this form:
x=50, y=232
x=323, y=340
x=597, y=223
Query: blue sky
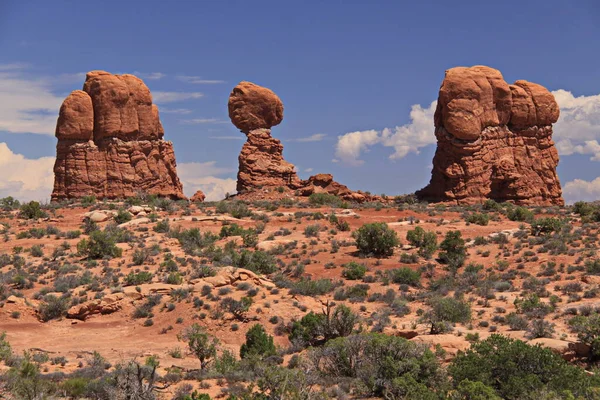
x=339, y=67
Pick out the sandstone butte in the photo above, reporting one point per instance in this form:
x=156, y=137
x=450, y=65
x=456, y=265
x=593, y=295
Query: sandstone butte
x=254, y=110
x=494, y=141
x=110, y=142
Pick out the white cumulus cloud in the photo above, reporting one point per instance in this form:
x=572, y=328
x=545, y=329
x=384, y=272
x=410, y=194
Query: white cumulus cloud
x=403, y=139
x=580, y=189
x=171, y=97
x=25, y=178
x=202, y=176
x=578, y=128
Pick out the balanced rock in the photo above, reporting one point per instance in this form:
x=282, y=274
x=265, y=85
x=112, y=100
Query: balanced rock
x=254, y=110
x=110, y=142
x=254, y=107
x=494, y=141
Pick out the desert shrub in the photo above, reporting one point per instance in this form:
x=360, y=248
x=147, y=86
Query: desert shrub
x=519, y=214
x=491, y=205
x=517, y=322
x=587, y=328
x=200, y=343
x=122, y=216
x=100, y=244
x=192, y=240
x=478, y=219
x=426, y=241
x=515, y=369
x=405, y=276
x=162, y=226
x=238, y=308
x=309, y=287
x=546, y=226
x=454, y=252
x=312, y=230
x=390, y=367
x=256, y=261
x=32, y=210
x=9, y=203
x=354, y=271
x=321, y=199
x=376, y=239
x=313, y=329
x=258, y=343
x=444, y=311
x=53, y=307
x=137, y=278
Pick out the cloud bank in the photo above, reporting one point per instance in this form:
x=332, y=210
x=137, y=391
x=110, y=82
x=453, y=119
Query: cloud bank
x=402, y=139
x=24, y=178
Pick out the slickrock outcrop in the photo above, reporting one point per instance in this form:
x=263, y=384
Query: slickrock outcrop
x=110, y=142
x=494, y=141
x=254, y=110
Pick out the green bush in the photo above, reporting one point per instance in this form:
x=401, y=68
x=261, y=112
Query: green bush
x=454, y=252
x=519, y=214
x=258, y=343
x=405, y=276
x=256, y=261
x=387, y=366
x=122, y=217
x=9, y=203
x=446, y=310
x=32, y=210
x=426, y=241
x=322, y=199
x=100, y=244
x=53, y=307
x=354, y=271
x=478, y=219
x=546, y=226
x=376, y=239
x=587, y=328
x=138, y=278
x=516, y=370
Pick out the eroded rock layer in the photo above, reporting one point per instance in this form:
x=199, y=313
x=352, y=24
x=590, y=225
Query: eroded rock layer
x=110, y=142
x=494, y=141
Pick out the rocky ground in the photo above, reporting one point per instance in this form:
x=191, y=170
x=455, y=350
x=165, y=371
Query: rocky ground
x=176, y=264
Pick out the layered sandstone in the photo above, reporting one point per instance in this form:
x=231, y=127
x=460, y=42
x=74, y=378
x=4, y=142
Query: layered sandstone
x=494, y=141
x=254, y=110
x=110, y=142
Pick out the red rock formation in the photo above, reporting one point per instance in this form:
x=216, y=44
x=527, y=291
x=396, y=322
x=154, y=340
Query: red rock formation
x=110, y=142
x=494, y=141
x=262, y=168
x=261, y=164
x=198, y=197
x=254, y=107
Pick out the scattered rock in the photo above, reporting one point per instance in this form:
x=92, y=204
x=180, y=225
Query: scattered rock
x=98, y=216
x=135, y=210
x=92, y=307
x=494, y=141
x=110, y=142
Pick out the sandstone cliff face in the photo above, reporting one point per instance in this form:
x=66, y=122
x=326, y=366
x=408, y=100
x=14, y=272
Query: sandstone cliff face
x=254, y=110
x=494, y=141
x=110, y=142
